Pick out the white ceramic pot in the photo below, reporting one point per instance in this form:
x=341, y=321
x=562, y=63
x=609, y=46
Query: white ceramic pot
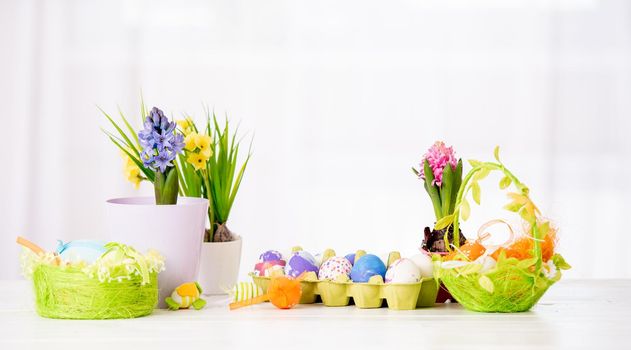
x=176, y=231
x=219, y=266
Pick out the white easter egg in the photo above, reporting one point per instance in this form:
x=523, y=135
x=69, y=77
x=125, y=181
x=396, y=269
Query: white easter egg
x=425, y=264
x=403, y=271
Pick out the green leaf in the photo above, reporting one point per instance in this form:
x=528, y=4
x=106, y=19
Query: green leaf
x=560, y=262
x=444, y=222
x=474, y=163
x=475, y=192
x=432, y=190
x=126, y=139
x=523, y=212
x=486, y=283
x=465, y=210
x=446, y=188
x=481, y=174
x=505, y=182
x=496, y=153
x=513, y=206
x=456, y=186
x=416, y=172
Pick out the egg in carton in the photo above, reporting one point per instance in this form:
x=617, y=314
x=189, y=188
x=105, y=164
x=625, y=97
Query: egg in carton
x=406, y=284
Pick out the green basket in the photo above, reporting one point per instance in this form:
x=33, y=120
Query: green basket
x=513, y=285
x=513, y=289
x=70, y=293
x=121, y=283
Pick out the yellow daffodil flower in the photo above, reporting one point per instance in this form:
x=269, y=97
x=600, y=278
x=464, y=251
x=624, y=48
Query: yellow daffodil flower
x=203, y=143
x=133, y=176
x=131, y=170
x=189, y=142
x=197, y=160
x=185, y=125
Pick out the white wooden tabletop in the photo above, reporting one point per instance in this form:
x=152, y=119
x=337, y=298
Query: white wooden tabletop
x=594, y=314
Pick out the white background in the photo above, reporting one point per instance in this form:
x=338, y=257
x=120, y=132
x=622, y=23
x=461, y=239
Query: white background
x=343, y=98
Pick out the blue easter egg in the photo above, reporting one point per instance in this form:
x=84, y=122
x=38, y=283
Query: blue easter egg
x=81, y=250
x=367, y=266
x=351, y=257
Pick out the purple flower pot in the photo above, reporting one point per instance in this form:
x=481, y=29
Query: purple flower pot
x=176, y=231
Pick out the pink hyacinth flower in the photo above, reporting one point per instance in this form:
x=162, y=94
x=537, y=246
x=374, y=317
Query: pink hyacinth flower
x=438, y=156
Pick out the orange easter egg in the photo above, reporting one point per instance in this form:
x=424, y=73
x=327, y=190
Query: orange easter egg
x=284, y=292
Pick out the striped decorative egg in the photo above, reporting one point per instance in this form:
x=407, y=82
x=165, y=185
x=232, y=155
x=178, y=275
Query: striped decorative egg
x=245, y=290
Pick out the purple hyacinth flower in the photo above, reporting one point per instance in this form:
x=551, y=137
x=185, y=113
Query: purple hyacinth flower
x=162, y=161
x=178, y=143
x=160, y=144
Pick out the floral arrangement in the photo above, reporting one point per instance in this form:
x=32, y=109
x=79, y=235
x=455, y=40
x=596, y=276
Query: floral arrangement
x=509, y=277
x=150, y=154
x=441, y=173
x=178, y=157
x=211, y=169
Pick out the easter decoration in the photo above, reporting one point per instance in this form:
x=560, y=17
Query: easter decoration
x=153, y=151
x=509, y=277
x=74, y=283
x=185, y=296
x=338, y=280
x=441, y=173
x=283, y=292
x=212, y=168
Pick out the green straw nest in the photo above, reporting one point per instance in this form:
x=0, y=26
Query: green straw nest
x=509, y=289
x=121, y=283
x=70, y=293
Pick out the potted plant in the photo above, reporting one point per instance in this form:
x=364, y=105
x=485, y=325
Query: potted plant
x=441, y=173
x=173, y=227
x=210, y=168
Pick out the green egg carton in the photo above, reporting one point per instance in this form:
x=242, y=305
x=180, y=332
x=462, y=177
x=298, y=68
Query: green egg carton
x=370, y=295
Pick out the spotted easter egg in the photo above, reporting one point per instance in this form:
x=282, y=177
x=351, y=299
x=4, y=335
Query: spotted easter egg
x=335, y=267
x=403, y=271
x=301, y=261
x=425, y=264
x=367, y=266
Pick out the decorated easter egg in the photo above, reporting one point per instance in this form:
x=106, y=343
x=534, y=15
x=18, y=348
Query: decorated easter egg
x=403, y=271
x=351, y=258
x=425, y=264
x=367, y=266
x=301, y=261
x=335, y=267
x=271, y=255
x=270, y=268
x=80, y=250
